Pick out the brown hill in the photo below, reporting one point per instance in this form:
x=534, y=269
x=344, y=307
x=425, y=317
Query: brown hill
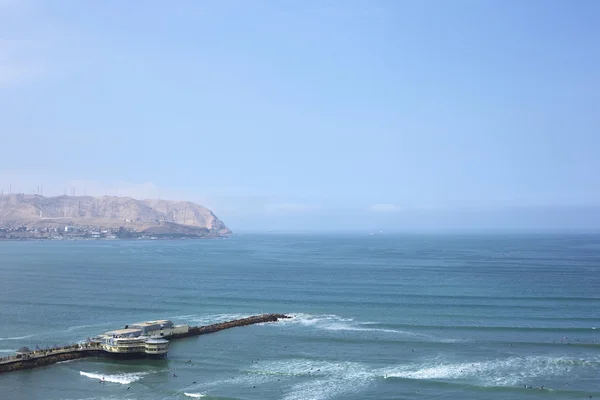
x=112, y=212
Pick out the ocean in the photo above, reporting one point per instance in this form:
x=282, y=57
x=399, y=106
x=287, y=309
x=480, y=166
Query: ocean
x=374, y=316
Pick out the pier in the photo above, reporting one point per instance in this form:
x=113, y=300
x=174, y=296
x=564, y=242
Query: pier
x=41, y=358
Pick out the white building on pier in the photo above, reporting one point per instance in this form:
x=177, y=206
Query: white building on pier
x=142, y=338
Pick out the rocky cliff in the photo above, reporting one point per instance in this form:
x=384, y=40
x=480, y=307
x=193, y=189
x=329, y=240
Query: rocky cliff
x=154, y=216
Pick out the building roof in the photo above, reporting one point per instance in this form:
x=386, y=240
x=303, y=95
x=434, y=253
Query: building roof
x=164, y=322
x=157, y=341
x=24, y=350
x=125, y=332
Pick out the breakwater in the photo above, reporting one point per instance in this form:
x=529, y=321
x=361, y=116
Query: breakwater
x=41, y=358
x=256, y=319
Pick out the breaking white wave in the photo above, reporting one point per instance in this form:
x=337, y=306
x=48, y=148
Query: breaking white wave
x=240, y=380
x=305, y=379
x=332, y=322
x=322, y=389
x=327, y=379
x=194, y=395
x=67, y=361
x=321, y=379
x=298, y=367
x=123, y=379
x=505, y=372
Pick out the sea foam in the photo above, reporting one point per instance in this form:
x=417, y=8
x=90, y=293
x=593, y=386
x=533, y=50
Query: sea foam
x=123, y=379
x=326, y=379
x=504, y=372
x=332, y=322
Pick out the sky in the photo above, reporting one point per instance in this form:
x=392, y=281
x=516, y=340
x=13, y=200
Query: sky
x=310, y=115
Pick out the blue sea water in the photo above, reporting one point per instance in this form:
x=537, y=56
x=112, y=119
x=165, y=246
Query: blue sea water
x=375, y=317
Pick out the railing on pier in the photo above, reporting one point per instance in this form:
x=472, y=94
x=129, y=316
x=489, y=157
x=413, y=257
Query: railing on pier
x=52, y=351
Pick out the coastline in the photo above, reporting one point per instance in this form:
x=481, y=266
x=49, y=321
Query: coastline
x=74, y=239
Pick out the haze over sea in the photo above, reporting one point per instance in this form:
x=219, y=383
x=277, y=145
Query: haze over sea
x=379, y=317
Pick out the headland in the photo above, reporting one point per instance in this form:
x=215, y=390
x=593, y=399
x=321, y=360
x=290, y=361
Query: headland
x=30, y=217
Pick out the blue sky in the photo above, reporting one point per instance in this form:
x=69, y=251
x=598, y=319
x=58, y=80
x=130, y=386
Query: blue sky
x=300, y=115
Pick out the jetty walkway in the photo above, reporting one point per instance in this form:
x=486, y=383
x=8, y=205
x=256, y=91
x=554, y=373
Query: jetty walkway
x=40, y=358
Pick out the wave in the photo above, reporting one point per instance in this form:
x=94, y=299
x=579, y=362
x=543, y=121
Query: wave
x=194, y=395
x=501, y=328
x=17, y=337
x=302, y=379
x=332, y=322
x=506, y=372
x=77, y=327
x=330, y=379
x=7, y=350
x=123, y=379
x=322, y=389
x=66, y=361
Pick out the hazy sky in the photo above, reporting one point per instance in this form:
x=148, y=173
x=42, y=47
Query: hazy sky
x=310, y=114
